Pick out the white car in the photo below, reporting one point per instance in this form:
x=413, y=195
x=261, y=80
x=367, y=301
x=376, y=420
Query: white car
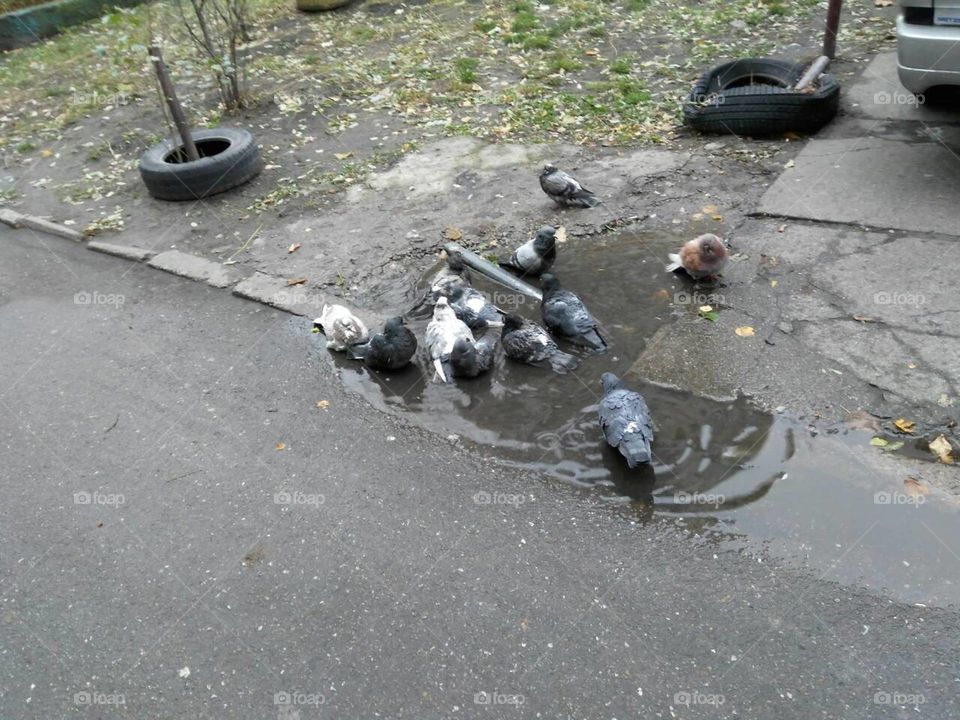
x=928, y=44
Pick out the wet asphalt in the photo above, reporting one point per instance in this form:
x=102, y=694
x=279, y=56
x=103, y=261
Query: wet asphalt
x=199, y=521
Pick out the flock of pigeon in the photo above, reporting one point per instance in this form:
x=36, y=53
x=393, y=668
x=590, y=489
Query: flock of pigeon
x=460, y=310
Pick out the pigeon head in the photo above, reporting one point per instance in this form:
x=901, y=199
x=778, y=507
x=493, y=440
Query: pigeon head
x=393, y=324
x=512, y=322
x=711, y=247
x=545, y=240
x=442, y=310
x=610, y=382
x=455, y=261
x=548, y=281
x=548, y=168
x=463, y=350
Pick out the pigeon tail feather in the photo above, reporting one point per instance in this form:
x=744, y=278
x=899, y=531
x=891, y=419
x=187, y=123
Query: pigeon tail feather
x=561, y=362
x=636, y=449
x=675, y=263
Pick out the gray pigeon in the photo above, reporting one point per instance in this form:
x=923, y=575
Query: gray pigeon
x=471, y=358
x=390, y=350
x=565, y=189
x=625, y=420
x=535, y=256
x=527, y=342
x=472, y=307
x=445, y=283
x=565, y=315
x=442, y=334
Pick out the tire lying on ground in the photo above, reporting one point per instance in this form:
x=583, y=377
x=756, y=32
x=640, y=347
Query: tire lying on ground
x=753, y=97
x=228, y=157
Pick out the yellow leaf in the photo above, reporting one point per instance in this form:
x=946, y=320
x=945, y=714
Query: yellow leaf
x=705, y=308
x=561, y=234
x=773, y=283
x=323, y=404
x=878, y=442
x=296, y=281
x=745, y=331
x=46, y=152
x=452, y=233
x=342, y=156
x=281, y=446
x=904, y=425
x=942, y=449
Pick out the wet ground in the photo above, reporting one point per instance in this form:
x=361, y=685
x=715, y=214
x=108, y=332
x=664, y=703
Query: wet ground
x=727, y=471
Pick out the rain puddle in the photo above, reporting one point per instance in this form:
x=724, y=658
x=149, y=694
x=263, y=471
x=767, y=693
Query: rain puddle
x=730, y=473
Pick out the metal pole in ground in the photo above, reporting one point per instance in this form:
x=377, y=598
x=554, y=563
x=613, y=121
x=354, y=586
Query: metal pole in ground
x=170, y=95
x=832, y=27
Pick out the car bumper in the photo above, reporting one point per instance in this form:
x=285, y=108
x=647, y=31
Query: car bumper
x=927, y=55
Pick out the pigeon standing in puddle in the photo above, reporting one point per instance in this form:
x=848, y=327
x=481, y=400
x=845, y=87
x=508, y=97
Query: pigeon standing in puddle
x=527, y=342
x=468, y=359
x=472, y=307
x=341, y=327
x=564, y=189
x=565, y=314
x=537, y=255
x=702, y=258
x=442, y=334
x=625, y=420
x=390, y=350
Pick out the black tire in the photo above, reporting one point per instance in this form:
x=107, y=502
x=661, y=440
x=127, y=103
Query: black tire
x=753, y=97
x=229, y=157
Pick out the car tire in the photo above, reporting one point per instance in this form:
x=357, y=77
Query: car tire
x=229, y=157
x=753, y=96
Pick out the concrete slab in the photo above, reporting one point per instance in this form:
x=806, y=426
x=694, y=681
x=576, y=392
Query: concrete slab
x=878, y=94
x=274, y=291
x=127, y=252
x=873, y=182
x=195, y=268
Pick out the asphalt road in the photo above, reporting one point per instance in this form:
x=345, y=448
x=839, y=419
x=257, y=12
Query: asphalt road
x=186, y=534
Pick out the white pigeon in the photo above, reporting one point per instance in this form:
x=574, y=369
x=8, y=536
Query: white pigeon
x=341, y=327
x=442, y=334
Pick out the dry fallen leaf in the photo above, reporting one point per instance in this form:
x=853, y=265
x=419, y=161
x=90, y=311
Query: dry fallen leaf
x=452, y=233
x=864, y=319
x=661, y=294
x=296, y=281
x=773, y=283
x=942, y=449
x=281, y=446
x=713, y=212
x=46, y=152
x=293, y=248
x=342, y=156
x=745, y=331
x=882, y=3
x=323, y=404
x=561, y=234
x=915, y=487
x=878, y=442
x=904, y=425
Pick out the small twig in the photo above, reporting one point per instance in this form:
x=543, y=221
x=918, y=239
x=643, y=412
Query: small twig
x=230, y=260
x=112, y=426
x=181, y=477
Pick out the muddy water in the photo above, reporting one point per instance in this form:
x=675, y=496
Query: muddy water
x=731, y=474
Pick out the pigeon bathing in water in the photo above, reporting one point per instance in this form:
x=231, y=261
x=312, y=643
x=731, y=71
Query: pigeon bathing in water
x=453, y=276
x=341, y=327
x=442, y=334
x=527, y=342
x=472, y=307
x=565, y=314
x=390, y=350
x=537, y=255
x=702, y=258
x=564, y=189
x=625, y=420
x=468, y=359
